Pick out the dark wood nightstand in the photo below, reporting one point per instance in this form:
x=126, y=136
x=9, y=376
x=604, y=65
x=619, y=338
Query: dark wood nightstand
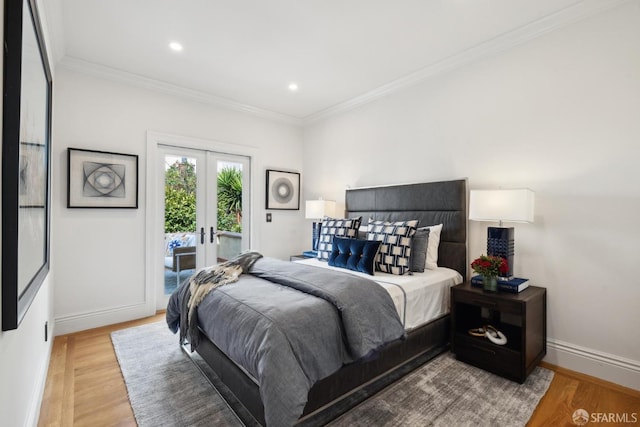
x=521, y=317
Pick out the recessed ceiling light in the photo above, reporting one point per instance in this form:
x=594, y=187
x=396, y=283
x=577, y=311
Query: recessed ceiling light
x=175, y=46
x=293, y=87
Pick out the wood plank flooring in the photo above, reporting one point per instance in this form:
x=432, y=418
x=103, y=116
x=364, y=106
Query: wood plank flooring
x=85, y=387
x=84, y=383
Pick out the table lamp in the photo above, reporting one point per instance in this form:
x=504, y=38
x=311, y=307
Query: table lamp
x=516, y=205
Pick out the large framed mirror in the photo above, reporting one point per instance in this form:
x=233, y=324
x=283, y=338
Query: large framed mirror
x=26, y=149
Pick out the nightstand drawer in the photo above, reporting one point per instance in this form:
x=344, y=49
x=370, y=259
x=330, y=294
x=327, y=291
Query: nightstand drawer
x=491, y=357
x=488, y=301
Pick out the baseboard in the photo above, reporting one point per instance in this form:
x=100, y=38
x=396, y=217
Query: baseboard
x=80, y=322
x=38, y=391
x=609, y=367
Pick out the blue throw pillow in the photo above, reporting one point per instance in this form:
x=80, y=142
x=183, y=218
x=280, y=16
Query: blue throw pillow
x=175, y=243
x=352, y=254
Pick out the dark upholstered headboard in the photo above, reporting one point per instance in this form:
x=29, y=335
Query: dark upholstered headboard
x=431, y=203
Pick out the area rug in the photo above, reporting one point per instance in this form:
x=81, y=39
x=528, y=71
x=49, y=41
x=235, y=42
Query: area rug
x=167, y=389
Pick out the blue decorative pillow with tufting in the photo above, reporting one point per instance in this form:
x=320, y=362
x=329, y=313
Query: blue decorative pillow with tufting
x=353, y=254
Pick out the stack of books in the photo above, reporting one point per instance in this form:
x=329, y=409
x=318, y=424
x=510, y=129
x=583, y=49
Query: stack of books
x=513, y=285
x=310, y=254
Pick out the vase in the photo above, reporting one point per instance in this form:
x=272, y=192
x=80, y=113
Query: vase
x=490, y=283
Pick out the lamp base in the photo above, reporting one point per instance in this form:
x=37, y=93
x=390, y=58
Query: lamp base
x=315, y=237
x=500, y=242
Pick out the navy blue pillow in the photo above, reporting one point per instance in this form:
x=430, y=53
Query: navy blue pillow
x=352, y=254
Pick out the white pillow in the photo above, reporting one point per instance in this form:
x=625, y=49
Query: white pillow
x=432, y=248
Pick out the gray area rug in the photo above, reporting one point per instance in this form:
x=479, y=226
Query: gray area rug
x=167, y=389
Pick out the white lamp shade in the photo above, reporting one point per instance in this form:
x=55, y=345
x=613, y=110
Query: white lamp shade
x=515, y=205
x=318, y=209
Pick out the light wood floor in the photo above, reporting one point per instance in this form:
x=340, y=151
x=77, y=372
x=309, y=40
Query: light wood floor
x=85, y=387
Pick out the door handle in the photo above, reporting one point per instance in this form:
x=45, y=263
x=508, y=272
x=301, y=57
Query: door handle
x=212, y=234
x=202, y=234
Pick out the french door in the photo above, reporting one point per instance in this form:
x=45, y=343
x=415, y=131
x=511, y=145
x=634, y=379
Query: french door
x=206, y=195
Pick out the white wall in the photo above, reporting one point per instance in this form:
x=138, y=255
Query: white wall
x=24, y=360
x=560, y=115
x=24, y=354
x=100, y=253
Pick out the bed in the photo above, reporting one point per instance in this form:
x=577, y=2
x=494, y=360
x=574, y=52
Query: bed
x=430, y=203
x=419, y=297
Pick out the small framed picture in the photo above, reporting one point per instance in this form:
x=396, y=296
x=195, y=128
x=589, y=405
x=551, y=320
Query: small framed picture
x=283, y=190
x=100, y=179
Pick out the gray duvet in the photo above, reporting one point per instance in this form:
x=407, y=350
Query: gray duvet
x=290, y=325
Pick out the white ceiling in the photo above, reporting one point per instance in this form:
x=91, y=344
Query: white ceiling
x=246, y=52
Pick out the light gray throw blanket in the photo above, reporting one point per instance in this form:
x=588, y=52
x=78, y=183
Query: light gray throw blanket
x=201, y=283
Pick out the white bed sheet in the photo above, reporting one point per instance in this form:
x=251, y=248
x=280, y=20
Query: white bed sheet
x=419, y=298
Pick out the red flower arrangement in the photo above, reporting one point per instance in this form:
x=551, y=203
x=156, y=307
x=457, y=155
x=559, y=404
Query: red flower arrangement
x=490, y=265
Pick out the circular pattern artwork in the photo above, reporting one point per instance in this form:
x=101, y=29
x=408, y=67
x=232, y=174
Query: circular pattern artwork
x=283, y=190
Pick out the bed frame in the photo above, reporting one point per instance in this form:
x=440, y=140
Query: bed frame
x=431, y=203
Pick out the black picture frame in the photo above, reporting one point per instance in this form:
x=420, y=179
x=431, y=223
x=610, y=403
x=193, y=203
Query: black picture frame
x=101, y=179
x=26, y=160
x=283, y=190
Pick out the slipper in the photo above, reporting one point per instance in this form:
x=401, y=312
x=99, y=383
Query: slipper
x=477, y=332
x=494, y=335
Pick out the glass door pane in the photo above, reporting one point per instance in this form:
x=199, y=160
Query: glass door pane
x=180, y=218
x=231, y=201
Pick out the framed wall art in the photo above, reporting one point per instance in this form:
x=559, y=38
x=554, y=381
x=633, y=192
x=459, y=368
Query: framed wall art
x=283, y=190
x=100, y=179
x=26, y=150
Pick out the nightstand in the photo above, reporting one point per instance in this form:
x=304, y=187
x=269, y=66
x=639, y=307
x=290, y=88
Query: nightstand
x=521, y=317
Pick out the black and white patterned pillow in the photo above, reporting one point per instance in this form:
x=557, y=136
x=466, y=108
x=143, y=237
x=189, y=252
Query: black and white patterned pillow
x=345, y=227
x=395, y=251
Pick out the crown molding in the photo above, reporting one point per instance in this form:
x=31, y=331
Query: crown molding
x=544, y=25
x=54, y=28
x=113, y=74
x=567, y=16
